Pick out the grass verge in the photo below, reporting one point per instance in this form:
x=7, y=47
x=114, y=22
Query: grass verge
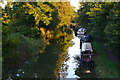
x=105, y=67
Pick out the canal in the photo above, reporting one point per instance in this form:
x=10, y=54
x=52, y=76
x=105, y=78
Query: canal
x=56, y=62
x=73, y=52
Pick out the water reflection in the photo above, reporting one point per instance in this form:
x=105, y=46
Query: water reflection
x=55, y=63
x=63, y=71
x=70, y=63
x=73, y=51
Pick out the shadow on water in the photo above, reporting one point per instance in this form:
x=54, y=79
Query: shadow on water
x=55, y=63
x=44, y=65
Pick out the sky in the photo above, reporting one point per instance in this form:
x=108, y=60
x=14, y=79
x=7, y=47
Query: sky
x=74, y=3
x=3, y=4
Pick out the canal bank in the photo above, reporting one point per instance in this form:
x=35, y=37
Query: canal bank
x=105, y=67
x=52, y=63
x=57, y=61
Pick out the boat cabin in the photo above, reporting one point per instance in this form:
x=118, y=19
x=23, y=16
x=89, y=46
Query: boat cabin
x=86, y=48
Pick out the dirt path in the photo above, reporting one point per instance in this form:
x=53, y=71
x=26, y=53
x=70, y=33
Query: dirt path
x=109, y=53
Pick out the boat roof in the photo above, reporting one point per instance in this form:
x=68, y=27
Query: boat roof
x=87, y=47
x=81, y=29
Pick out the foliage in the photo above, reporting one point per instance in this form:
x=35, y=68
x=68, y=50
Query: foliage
x=102, y=20
x=83, y=17
x=29, y=28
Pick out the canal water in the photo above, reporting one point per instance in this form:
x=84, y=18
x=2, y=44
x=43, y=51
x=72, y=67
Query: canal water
x=72, y=64
x=73, y=52
x=47, y=65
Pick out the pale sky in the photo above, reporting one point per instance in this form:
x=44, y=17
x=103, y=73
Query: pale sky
x=74, y=3
x=3, y=4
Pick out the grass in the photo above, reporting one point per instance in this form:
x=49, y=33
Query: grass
x=105, y=67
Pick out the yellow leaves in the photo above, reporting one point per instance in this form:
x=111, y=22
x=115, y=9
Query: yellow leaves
x=42, y=31
x=31, y=12
x=40, y=11
x=65, y=13
x=95, y=9
x=7, y=21
x=5, y=18
x=29, y=5
x=58, y=35
x=91, y=13
x=65, y=33
x=5, y=15
x=49, y=34
x=46, y=8
x=46, y=34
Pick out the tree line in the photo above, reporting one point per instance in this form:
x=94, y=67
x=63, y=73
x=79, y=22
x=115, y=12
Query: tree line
x=29, y=27
x=102, y=21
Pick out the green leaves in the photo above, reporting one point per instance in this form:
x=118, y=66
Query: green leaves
x=102, y=20
x=29, y=26
x=39, y=11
